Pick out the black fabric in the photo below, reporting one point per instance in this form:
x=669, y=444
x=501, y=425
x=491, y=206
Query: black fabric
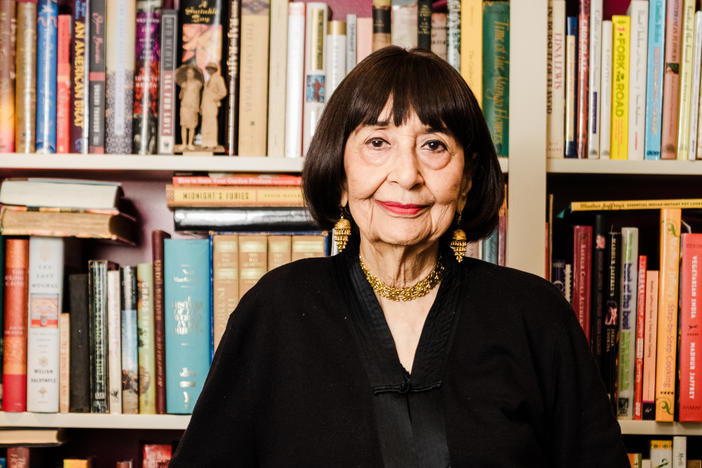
x=288, y=386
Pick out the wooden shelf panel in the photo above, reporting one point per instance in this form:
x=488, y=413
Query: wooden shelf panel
x=660, y=428
x=94, y=421
x=610, y=166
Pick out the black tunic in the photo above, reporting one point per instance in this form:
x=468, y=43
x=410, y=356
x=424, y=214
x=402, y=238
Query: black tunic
x=290, y=384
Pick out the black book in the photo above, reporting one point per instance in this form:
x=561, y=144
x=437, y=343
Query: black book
x=96, y=88
x=97, y=316
x=424, y=24
x=610, y=345
x=79, y=376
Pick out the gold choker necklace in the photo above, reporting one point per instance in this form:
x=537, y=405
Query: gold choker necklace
x=420, y=289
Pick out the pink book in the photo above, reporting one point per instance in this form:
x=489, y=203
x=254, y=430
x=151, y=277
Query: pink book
x=364, y=38
x=63, y=85
x=640, y=324
x=690, y=323
x=671, y=79
x=583, y=70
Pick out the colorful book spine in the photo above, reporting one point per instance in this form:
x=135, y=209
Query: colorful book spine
x=63, y=85
x=690, y=402
x=381, y=24
x=453, y=39
x=233, y=196
x=571, y=69
x=695, y=96
x=424, y=24
x=25, y=76
x=667, y=313
x=648, y=397
x=114, y=341
x=496, y=73
x=352, y=37
x=439, y=33
x=145, y=331
x=253, y=260
x=583, y=78
x=79, y=378
x=14, y=355
x=671, y=78
x=97, y=317
x=599, y=259
x=638, y=13
x=187, y=299
x=555, y=69
x=168, y=61
x=606, y=91
x=403, y=29
x=621, y=26
x=654, y=78
x=582, y=274
x=627, y=322
x=80, y=42
x=46, y=260
x=595, y=72
x=335, y=56
x=47, y=36
x=640, y=331
x=225, y=281
x=661, y=453
x=157, y=238
x=685, y=100
x=96, y=78
x=295, y=78
x=7, y=76
x=64, y=361
x=277, y=73
x=130, y=356
x=18, y=457
x=148, y=51
x=611, y=321
x=119, y=79
x=315, y=73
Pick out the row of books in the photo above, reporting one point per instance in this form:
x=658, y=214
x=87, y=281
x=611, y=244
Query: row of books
x=126, y=334
x=626, y=87
x=152, y=456
x=665, y=452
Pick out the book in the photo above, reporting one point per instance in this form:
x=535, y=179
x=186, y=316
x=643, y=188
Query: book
x=612, y=309
x=638, y=12
x=79, y=376
x=129, y=341
x=439, y=33
x=25, y=76
x=277, y=74
x=33, y=437
x=474, y=48
x=114, y=341
x=654, y=78
x=295, y=77
x=64, y=361
x=187, y=321
x=145, y=334
x=621, y=205
x=555, y=92
x=594, y=77
x=96, y=78
x=335, y=56
x=635, y=459
x=308, y=246
x=233, y=196
x=583, y=74
x=496, y=73
x=45, y=299
x=696, y=75
x=403, y=26
x=640, y=332
x=156, y=455
x=65, y=193
x=606, y=91
x=381, y=11
x=671, y=78
x=453, y=38
x=667, y=313
x=364, y=38
x=690, y=402
x=253, y=78
x=14, y=367
x=63, y=84
x=627, y=322
x=80, y=42
x=47, y=42
x=146, y=78
x=621, y=39
x=582, y=274
x=234, y=179
x=225, y=281
x=648, y=397
x=279, y=250
x=168, y=62
x=599, y=260
x=81, y=463
x=243, y=219
x=685, y=93
x=232, y=78
x=351, y=38
x=157, y=238
x=571, y=69
x=679, y=452
x=97, y=323
x=7, y=76
x=18, y=457
x=253, y=264
x=423, y=25
x=315, y=73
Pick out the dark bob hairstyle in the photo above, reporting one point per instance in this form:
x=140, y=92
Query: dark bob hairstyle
x=418, y=81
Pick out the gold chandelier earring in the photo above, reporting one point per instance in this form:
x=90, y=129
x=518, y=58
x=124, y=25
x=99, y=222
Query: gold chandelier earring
x=342, y=232
x=459, y=242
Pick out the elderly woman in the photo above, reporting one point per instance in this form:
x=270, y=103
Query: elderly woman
x=399, y=352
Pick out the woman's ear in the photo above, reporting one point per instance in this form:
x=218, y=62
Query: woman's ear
x=466, y=185
x=344, y=196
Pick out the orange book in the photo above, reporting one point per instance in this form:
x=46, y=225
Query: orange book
x=63, y=85
x=14, y=375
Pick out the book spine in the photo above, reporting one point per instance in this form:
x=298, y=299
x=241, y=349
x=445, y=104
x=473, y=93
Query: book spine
x=64, y=361
x=279, y=250
x=96, y=78
x=97, y=316
x=679, y=457
x=47, y=35
x=351, y=38
x=667, y=313
x=167, y=86
x=295, y=78
x=671, y=78
x=690, y=403
x=582, y=274
x=157, y=238
x=454, y=44
x=489, y=247
x=424, y=24
x=225, y=281
x=233, y=196
x=496, y=73
x=638, y=12
x=606, y=91
x=571, y=68
x=119, y=79
x=648, y=397
x=568, y=282
x=627, y=323
x=403, y=28
x=129, y=348
x=621, y=35
x=439, y=33
x=147, y=52
x=640, y=330
x=114, y=342
x=309, y=246
x=654, y=78
x=335, y=56
x=187, y=299
x=611, y=321
x=79, y=378
x=595, y=69
x=253, y=79
x=364, y=38
x=598, y=286
x=695, y=100
x=14, y=379
x=18, y=457
x=79, y=87
x=277, y=73
x=583, y=78
x=46, y=259
x=685, y=99
x=63, y=85
x=253, y=259
x=7, y=76
x=315, y=74
x=145, y=332
x=25, y=76
x=558, y=274
x=381, y=24
x=555, y=93
x=242, y=219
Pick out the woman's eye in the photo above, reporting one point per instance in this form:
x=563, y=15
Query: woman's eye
x=435, y=145
x=376, y=142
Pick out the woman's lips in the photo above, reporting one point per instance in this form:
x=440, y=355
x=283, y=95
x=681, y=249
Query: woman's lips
x=401, y=208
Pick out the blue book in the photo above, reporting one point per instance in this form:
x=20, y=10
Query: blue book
x=654, y=78
x=490, y=245
x=47, y=43
x=571, y=110
x=187, y=321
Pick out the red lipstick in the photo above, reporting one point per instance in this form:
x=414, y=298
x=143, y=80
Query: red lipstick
x=401, y=208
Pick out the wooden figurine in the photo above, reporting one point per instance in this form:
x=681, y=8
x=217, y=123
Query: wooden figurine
x=215, y=90
x=190, y=79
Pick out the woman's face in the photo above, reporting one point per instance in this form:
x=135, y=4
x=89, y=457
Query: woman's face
x=403, y=184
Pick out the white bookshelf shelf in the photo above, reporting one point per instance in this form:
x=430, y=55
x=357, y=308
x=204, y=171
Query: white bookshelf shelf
x=610, y=166
x=660, y=428
x=94, y=421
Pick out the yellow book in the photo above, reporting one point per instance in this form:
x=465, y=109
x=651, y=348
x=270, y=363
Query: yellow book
x=76, y=463
x=667, y=313
x=243, y=195
x=622, y=205
x=621, y=37
x=688, y=43
x=472, y=46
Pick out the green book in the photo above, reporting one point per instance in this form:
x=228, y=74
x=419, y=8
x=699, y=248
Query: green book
x=145, y=332
x=496, y=73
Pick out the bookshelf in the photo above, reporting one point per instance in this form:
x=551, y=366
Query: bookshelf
x=94, y=421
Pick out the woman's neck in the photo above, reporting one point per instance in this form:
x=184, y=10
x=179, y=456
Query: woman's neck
x=398, y=265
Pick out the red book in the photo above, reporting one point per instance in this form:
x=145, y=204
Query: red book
x=582, y=273
x=157, y=237
x=63, y=85
x=671, y=78
x=583, y=77
x=690, y=323
x=17, y=457
x=156, y=455
x=640, y=324
x=14, y=365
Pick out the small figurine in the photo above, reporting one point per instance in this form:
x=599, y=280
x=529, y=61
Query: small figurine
x=215, y=90
x=190, y=79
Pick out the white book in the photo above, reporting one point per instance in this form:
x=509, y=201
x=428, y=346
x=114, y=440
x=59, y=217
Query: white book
x=46, y=261
x=453, y=34
x=697, y=63
x=439, y=34
x=638, y=12
x=555, y=104
x=593, y=128
x=679, y=452
x=627, y=322
x=335, y=56
x=60, y=193
x=294, y=82
x=403, y=23
x=661, y=453
x=350, y=42
x=114, y=345
x=688, y=43
x=606, y=90
x=315, y=74
x=277, y=74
